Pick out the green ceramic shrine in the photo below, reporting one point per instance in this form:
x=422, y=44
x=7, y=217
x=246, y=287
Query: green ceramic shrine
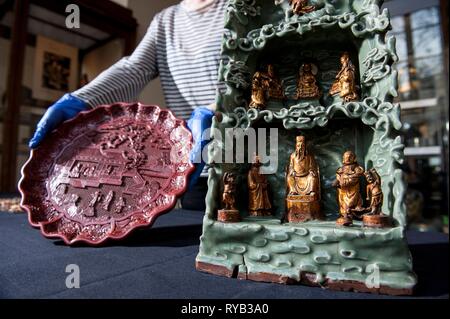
x=317, y=252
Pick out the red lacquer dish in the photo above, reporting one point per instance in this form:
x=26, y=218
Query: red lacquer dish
x=106, y=172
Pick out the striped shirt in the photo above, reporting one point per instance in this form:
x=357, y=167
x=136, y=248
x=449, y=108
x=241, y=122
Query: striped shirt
x=182, y=47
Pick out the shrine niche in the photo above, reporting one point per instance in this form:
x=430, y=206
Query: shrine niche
x=321, y=73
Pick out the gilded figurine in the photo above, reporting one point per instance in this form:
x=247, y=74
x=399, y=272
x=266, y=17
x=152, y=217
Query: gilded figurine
x=229, y=213
x=258, y=191
x=275, y=89
x=229, y=191
x=301, y=7
x=345, y=84
x=307, y=84
x=374, y=192
x=374, y=216
x=265, y=85
x=260, y=85
x=303, y=185
x=348, y=189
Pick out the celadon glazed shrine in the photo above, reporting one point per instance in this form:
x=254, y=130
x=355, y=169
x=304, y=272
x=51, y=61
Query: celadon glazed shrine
x=333, y=214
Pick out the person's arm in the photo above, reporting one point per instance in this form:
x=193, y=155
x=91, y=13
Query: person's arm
x=120, y=83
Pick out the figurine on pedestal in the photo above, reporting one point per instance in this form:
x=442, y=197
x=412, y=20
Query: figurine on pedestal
x=375, y=217
x=229, y=213
x=303, y=185
x=258, y=191
x=345, y=84
x=307, y=85
x=301, y=7
x=348, y=192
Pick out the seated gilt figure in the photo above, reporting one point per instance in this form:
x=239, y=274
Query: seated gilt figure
x=345, y=84
x=307, y=84
x=303, y=185
x=260, y=84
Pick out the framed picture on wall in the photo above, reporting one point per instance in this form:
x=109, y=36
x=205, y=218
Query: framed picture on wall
x=56, y=69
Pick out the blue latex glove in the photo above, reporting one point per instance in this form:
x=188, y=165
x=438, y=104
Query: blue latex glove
x=64, y=109
x=200, y=120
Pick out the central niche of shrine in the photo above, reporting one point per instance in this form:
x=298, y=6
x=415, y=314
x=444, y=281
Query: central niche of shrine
x=297, y=73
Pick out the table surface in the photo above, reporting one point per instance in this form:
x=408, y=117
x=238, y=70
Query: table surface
x=159, y=263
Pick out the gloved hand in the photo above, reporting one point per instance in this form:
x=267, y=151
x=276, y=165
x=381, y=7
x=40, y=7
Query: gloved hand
x=64, y=109
x=200, y=120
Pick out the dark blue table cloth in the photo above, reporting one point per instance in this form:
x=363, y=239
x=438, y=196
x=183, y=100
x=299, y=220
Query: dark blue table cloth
x=159, y=263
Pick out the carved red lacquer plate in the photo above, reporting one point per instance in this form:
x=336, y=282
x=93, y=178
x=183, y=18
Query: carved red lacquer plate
x=107, y=172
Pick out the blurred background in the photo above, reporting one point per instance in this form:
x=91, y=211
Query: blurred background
x=40, y=58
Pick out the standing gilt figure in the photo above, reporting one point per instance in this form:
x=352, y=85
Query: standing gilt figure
x=348, y=189
x=375, y=216
x=229, y=213
x=258, y=191
x=260, y=85
x=229, y=191
x=345, y=84
x=374, y=192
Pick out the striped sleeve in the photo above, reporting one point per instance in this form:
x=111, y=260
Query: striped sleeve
x=125, y=80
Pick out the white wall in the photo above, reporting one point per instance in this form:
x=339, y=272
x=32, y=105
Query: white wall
x=102, y=58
